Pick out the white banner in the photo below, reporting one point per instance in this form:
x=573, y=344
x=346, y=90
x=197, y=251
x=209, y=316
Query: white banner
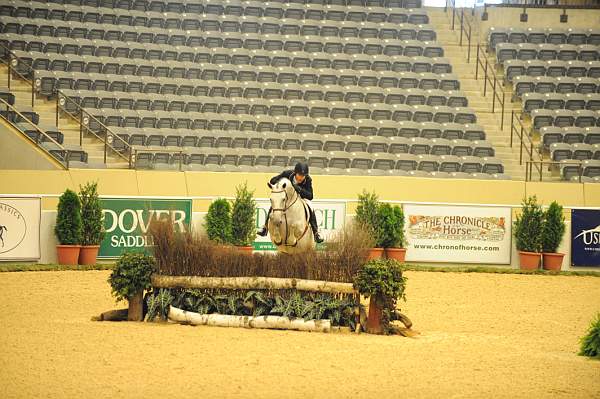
x=331, y=217
x=458, y=234
x=19, y=228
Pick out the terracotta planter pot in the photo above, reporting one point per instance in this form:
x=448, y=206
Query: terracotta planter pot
x=136, y=307
x=398, y=254
x=529, y=260
x=375, y=253
x=88, y=254
x=552, y=261
x=374, y=319
x=246, y=249
x=67, y=254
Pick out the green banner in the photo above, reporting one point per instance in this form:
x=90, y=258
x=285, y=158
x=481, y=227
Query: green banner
x=127, y=220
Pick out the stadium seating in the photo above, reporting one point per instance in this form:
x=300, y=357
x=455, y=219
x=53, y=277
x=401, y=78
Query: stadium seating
x=349, y=86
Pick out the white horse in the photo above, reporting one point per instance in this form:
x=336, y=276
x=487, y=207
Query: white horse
x=288, y=224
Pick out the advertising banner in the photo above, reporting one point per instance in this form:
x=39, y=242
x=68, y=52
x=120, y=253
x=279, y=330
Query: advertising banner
x=331, y=217
x=20, y=228
x=458, y=234
x=127, y=220
x=585, y=237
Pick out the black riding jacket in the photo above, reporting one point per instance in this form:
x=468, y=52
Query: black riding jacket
x=304, y=189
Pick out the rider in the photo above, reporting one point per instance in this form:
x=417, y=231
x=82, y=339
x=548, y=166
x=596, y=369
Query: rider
x=302, y=183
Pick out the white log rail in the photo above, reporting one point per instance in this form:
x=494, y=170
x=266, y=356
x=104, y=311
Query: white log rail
x=251, y=283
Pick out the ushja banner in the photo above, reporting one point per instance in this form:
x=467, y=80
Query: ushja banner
x=458, y=234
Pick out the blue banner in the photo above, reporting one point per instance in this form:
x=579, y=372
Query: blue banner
x=585, y=237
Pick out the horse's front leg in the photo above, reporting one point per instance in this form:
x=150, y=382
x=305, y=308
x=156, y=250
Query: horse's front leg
x=294, y=235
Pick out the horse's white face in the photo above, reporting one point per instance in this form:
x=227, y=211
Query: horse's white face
x=278, y=193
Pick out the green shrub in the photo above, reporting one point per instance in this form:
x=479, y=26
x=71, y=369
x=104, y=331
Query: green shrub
x=553, y=228
x=391, y=222
x=91, y=215
x=367, y=214
x=68, y=219
x=131, y=275
x=528, y=226
x=590, y=343
x=242, y=216
x=381, y=278
x=218, y=221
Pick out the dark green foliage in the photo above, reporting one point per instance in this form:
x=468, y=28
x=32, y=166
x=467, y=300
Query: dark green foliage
x=91, y=215
x=68, y=219
x=242, y=217
x=367, y=214
x=391, y=223
x=158, y=304
x=289, y=303
x=553, y=228
x=590, y=343
x=131, y=275
x=528, y=226
x=218, y=221
x=383, y=280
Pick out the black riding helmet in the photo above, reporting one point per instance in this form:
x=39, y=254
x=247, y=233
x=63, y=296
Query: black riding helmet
x=301, y=168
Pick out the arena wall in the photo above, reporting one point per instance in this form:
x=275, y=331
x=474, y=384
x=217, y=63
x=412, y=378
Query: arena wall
x=202, y=187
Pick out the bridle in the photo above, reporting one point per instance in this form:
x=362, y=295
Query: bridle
x=284, y=211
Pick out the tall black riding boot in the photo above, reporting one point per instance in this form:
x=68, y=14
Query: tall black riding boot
x=315, y=227
x=265, y=229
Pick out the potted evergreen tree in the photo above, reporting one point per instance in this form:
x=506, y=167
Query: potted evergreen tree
x=242, y=218
x=218, y=221
x=92, y=223
x=528, y=233
x=391, y=221
x=367, y=215
x=68, y=228
x=129, y=279
x=382, y=281
x=552, y=235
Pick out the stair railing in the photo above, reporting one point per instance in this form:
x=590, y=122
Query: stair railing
x=112, y=142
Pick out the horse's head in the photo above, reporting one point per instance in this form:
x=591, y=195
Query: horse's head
x=280, y=193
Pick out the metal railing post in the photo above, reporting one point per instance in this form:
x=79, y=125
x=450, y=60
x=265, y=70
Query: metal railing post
x=462, y=17
x=80, y=127
x=521, y=150
x=105, y=143
x=512, y=121
x=485, y=77
x=9, y=72
x=469, y=46
x=33, y=89
x=494, y=97
x=477, y=63
x=502, y=116
x=56, y=116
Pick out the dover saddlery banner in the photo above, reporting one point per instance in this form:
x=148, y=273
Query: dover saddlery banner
x=457, y=234
x=126, y=221
x=20, y=228
x=331, y=217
